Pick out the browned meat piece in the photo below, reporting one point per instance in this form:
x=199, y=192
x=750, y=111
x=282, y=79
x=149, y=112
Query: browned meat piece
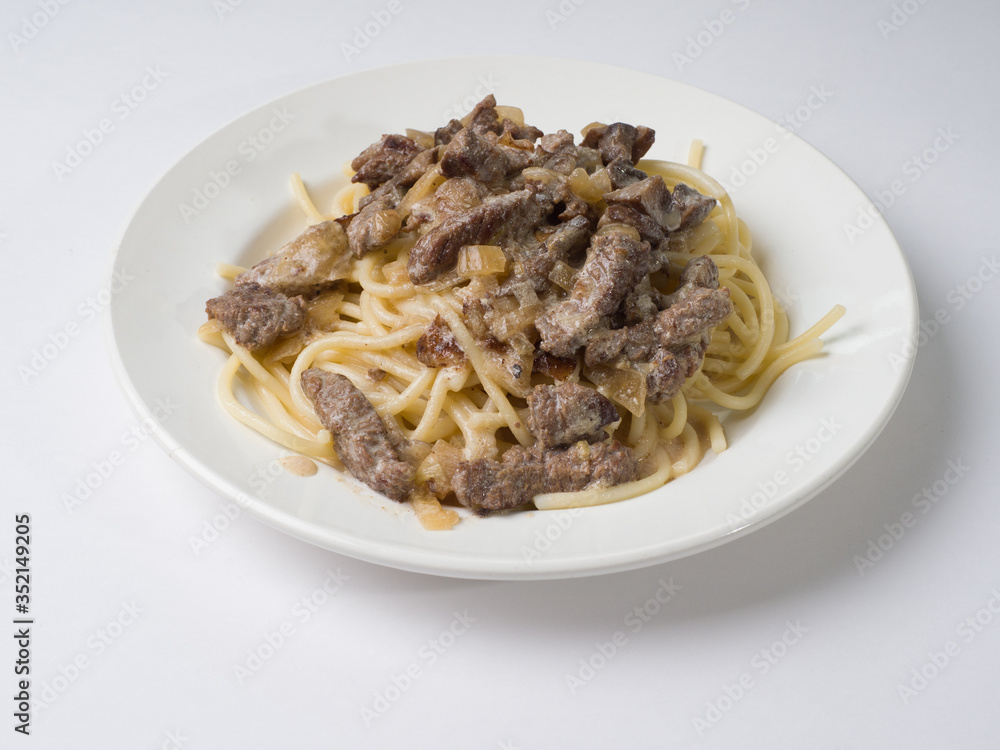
x=617, y=142
x=620, y=140
x=641, y=303
x=563, y=414
x=490, y=223
x=665, y=378
x=384, y=159
x=492, y=485
x=483, y=118
x=635, y=343
x=693, y=206
x=688, y=317
x=623, y=173
x=557, y=152
x=520, y=132
x=650, y=197
x=557, y=368
x=567, y=240
x=315, y=259
x=689, y=356
x=644, y=138
x=437, y=346
x=445, y=133
x=257, y=316
x=670, y=368
x=373, y=227
x=702, y=272
x=619, y=213
x=583, y=466
x=522, y=474
x=615, y=264
x=394, y=189
x=472, y=155
x=360, y=438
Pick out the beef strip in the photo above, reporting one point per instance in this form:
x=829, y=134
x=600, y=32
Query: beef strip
x=562, y=414
x=395, y=188
x=445, y=133
x=700, y=271
x=472, y=155
x=491, y=223
x=616, y=262
x=671, y=367
x=256, y=316
x=493, y=486
x=384, y=159
x=620, y=140
x=483, y=118
x=437, y=346
x=314, y=260
x=523, y=473
x=619, y=213
x=686, y=318
x=568, y=239
x=373, y=227
x=694, y=207
x=650, y=197
x=623, y=173
x=665, y=378
x=519, y=132
x=360, y=438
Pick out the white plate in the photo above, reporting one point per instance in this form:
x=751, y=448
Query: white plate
x=816, y=421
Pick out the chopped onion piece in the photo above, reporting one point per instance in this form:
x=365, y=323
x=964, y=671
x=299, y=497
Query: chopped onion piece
x=627, y=386
x=512, y=113
x=481, y=260
x=563, y=275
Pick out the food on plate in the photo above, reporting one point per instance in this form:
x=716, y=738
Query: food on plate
x=499, y=318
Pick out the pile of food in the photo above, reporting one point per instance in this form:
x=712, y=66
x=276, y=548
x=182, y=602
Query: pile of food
x=498, y=317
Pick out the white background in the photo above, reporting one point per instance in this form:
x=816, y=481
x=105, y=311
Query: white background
x=141, y=641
